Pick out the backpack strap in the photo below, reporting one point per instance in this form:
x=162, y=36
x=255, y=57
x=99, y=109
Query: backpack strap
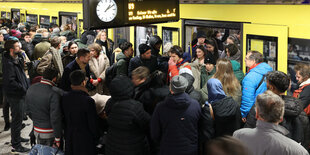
x=261, y=82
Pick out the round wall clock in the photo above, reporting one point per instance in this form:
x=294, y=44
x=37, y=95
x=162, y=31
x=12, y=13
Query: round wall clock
x=106, y=10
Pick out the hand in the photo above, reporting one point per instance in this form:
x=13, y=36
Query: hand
x=95, y=82
x=171, y=62
x=56, y=144
x=243, y=120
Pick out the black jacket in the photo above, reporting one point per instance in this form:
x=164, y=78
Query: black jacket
x=194, y=94
x=28, y=48
x=67, y=59
x=65, y=80
x=174, y=125
x=153, y=41
x=81, y=133
x=137, y=61
x=227, y=116
x=304, y=96
x=128, y=122
x=15, y=82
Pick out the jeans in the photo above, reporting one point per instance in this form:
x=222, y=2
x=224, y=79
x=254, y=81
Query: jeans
x=17, y=111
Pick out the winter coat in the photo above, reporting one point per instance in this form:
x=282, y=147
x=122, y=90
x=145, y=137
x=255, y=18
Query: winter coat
x=194, y=94
x=268, y=138
x=88, y=37
x=153, y=41
x=250, y=84
x=237, y=71
x=43, y=104
x=107, y=47
x=237, y=57
x=40, y=49
x=51, y=56
x=15, y=83
x=65, y=80
x=205, y=76
x=196, y=70
x=174, y=69
x=122, y=64
x=80, y=116
x=128, y=122
x=174, y=125
x=137, y=61
x=70, y=35
x=304, y=96
x=98, y=66
x=28, y=48
x=67, y=59
x=163, y=63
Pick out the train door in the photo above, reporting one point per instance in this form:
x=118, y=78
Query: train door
x=15, y=14
x=44, y=21
x=120, y=34
x=270, y=40
x=191, y=29
x=142, y=35
x=170, y=36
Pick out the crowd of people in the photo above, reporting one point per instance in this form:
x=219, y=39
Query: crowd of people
x=85, y=97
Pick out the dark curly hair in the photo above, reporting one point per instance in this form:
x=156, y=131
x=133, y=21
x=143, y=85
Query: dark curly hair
x=279, y=80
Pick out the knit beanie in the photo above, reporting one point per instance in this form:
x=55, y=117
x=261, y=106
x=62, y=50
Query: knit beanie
x=143, y=48
x=201, y=34
x=178, y=84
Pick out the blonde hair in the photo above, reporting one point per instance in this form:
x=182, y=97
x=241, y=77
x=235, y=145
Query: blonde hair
x=96, y=47
x=99, y=35
x=224, y=72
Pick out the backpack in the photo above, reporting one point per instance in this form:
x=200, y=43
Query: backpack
x=296, y=95
x=110, y=74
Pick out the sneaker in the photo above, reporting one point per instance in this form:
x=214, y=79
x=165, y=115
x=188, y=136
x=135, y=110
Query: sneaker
x=7, y=126
x=20, y=149
x=23, y=139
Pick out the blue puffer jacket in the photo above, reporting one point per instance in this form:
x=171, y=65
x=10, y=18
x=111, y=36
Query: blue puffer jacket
x=249, y=85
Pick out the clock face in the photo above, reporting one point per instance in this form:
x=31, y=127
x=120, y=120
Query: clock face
x=106, y=10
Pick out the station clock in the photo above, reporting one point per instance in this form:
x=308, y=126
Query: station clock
x=106, y=10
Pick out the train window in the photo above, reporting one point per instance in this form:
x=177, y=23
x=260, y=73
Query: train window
x=68, y=20
x=44, y=21
x=120, y=34
x=32, y=19
x=15, y=13
x=142, y=35
x=170, y=36
x=9, y=15
x=54, y=20
x=3, y=14
x=267, y=45
x=298, y=52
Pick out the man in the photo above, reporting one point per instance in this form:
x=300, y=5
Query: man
x=176, y=61
x=80, y=63
x=268, y=137
x=303, y=79
x=144, y=59
x=174, y=124
x=123, y=58
x=253, y=83
x=43, y=101
x=41, y=48
x=15, y=85
x=201, y=38
x=27, y=45
x=155, y=43
x=52, y=58
x=80, y=116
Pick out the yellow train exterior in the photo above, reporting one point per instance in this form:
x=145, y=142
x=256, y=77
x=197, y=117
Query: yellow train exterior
x=282, y=21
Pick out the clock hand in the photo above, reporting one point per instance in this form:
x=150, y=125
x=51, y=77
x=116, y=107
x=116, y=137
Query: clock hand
x=108, y=8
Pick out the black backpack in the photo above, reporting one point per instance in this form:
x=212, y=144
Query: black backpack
x=110, y=74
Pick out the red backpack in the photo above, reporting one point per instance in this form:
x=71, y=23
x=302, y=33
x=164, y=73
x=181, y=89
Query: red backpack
x=296, y=95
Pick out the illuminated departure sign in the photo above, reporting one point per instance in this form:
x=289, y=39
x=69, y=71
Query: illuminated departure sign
x=116, y=13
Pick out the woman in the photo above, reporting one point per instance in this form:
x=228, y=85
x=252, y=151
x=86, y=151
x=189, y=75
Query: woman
x=103, y=41
x=231, y=85
x=98, y=64
x=197, y=64
x=69, y=57
x=212, y=48
x=68, y=32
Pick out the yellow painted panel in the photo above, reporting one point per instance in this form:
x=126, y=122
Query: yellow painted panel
x=257, y=45
x=273, y=31
x=175, y=38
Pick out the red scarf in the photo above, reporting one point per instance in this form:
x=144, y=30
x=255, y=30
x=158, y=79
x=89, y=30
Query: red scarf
x=253, y=67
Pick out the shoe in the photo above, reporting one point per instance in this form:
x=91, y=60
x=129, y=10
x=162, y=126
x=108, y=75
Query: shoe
x=7, y=126
x=20, y=149
x=23, y=139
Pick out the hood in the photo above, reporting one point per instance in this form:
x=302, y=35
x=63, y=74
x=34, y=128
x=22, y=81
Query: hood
x=177, y=101
x=120, y=56
x=292, y=106
x=154, y=40
x=235, y=65
x=215, y=90
x=263, y=68
x=190, y=79
x=121, y=88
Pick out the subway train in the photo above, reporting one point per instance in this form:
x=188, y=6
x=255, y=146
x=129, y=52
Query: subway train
x=279, y=31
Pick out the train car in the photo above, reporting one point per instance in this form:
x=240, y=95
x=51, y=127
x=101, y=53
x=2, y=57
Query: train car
x=279, y=31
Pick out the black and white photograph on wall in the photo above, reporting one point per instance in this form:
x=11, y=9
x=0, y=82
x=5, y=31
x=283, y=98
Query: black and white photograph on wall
x=3, y=14
x=143, y=35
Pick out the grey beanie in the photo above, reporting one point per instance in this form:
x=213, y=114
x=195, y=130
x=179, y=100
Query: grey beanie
x=178, y=84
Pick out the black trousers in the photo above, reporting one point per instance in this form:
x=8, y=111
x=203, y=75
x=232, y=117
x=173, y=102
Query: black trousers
x=6, y=110
x=17, y=111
